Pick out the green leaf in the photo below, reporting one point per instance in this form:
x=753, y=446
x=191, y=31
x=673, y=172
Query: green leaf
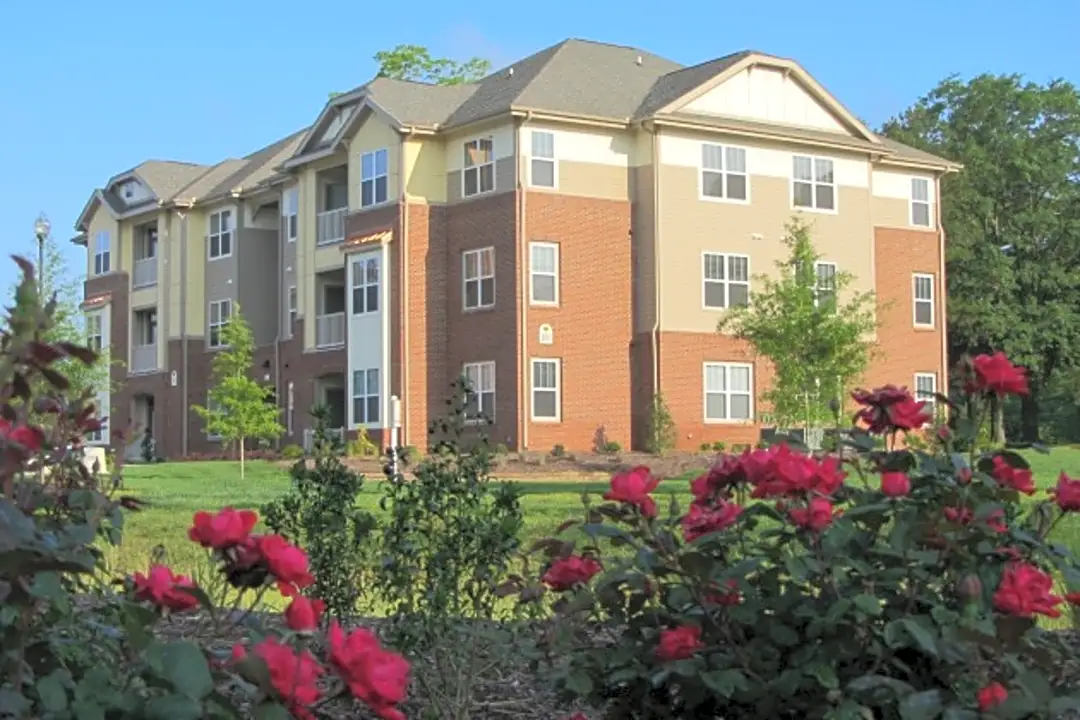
x=14, y=702
x=725, y=682
x=184, y=666
x=923, y=637
x=173, y=707
x=825, y=675
x=52, y=693
x=272, y=711
x=1061, y=705
x=47, y=585
x=783, y=635
x=88, y=711
x=879, y=686
x=868, y=604
x=925, y=705
x=959, y=713
x=579, y=683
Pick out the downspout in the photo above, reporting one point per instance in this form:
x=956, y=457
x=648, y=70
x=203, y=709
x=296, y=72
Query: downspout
x=404, y=204
x=656, y=262
x=942, y=294
x=282, y=292
x=183, y=332
x=524, y=375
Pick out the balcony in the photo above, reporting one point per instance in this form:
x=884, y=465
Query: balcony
x=330, y=330
x=330, y=226
x=145, y=272
x=143, y=359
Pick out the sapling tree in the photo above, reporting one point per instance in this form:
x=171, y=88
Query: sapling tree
x=240, y=406
x=811, y=326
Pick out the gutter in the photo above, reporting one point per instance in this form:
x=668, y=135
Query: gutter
x=183, y=330
x=524, y=372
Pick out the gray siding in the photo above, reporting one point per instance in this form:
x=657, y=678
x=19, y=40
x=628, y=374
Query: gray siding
x=222, y=279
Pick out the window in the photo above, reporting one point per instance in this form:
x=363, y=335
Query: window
x=213, y=407
x=480, y=379
x=101, y=253
x=365, y=285
x=813, y=185
x=726, y=280
x=365, y=396
x=374, y=178
x=97, y=437
x=93, y=332
x=728, y=392
x=542, y=166
x=145, y=328
x=825, y=284
x=723, y=172
x=923, y=292
x=478, y=273
x=478, y=173
x=290, y=208
x=920, y=202
x=292, y=307
x=544, y=273
x=220, y=310
x=219, y=241
x=545, y=389
x=926, y=390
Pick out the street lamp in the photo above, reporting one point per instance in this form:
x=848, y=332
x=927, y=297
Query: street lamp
x=42, y=226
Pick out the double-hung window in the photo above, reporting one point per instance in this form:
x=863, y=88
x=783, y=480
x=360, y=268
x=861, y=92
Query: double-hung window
x=220, y=310
x=219, y=242
x=824, y=283
x=728, y=392
x=102, y=256
x=478, y=172
x=478, y=274
x=542, y=168
x=290, y=208
x=93, y=331
x=480, y=382
x=922, y=291
x=926, y=390
x=365, y=285
x=365, y=397
x=292, y=308
x=546, y=389
x=813, y=184
x=544, y=273
x=726, y=280
x=920, y=202
x=723, y=172
x=374, y=178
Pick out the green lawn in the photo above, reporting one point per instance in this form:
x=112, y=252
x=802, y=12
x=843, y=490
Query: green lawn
x=175, y=491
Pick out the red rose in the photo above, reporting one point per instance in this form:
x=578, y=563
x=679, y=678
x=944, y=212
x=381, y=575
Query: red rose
x=1025, y=591
x=895, y=484
x=225, y=529
x=373, y=674
x=963, y=476
x=994, y=373
x=1067, y=493
x=908, y=414
x=29, y=437
x=991, y=696
x=287, y=563
x=817, y=516
x=730, y=596
x=293, y=676
x=1073, y=598
x=1015, y=478
x=567, y=572
x=959, y=515
x=702, y=521
x=718, y=480
x=633, y=488
x=303, y=613
x=162, y=588
x=780, y=471
x=996, y=521
x=679, y=643
x=890, y=408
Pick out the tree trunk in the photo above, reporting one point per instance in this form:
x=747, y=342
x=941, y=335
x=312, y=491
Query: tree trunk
x=1029, y=414
x=241, y=458
x=997, y=421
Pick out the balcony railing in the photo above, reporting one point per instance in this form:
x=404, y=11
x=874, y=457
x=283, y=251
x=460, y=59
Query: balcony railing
x=143, y=358
x=330, y=227
x=330, y=330
x=145, y=272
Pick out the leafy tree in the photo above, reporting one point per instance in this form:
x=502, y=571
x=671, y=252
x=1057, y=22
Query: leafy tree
x=414, y=62
x=1012, y=220
x=817, y=340
x=242, y=406
x=662, y=431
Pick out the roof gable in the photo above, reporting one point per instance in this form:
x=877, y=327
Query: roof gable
x=762, y=88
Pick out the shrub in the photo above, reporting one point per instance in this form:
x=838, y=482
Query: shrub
x=610, y=447
x=661, y=438
x=362, y=446
x=558, y=451
x=704, y=447
x=292, y=452
x=718, y=446
x=892, y=583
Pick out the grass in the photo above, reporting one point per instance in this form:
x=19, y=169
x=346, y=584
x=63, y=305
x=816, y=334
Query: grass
x=175, y=491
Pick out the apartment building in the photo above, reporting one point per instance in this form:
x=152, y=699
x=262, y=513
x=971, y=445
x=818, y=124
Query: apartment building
x=565, y=233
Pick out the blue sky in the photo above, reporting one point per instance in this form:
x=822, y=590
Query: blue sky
x=90, y=89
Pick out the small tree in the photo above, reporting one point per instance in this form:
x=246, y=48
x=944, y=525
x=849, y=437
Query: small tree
x=818, y=342
x=661, y=437
x=242, y=406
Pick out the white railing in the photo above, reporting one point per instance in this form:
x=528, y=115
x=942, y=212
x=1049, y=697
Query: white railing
x=145, y=272
x=309, y=437
x=330, y=330
x=143, y=358
x=330, y=226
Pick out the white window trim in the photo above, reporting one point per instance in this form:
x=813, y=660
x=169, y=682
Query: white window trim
x=817, y=278
x=480, y=277
x=292, y=308
x=554, y=160
x=99, y=253
x=814, y=185
x=210, y=236
x=479, y=391
x=705, y=393
x=464, y=167
x=95, y=318
x=558, y=390
x=219, y=325
x=533, y=273
x=356, y=395
x=932, y=400
x=374, y=177
x=293, y=191
x=364, y=284
x=726, y=283
x=725, y=172
x=915, y=300
x=929, y=203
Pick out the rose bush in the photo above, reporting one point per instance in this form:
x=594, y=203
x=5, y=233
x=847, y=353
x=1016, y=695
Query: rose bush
x=862, y=583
